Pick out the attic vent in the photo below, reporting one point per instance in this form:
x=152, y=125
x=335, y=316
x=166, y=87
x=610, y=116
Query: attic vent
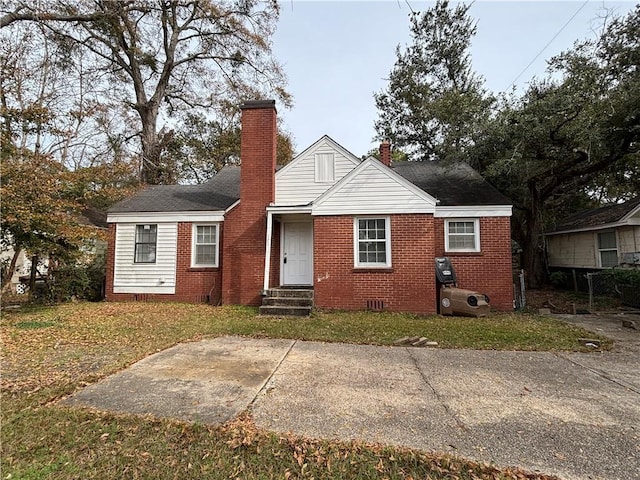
x=325, y=167
x=375, y=305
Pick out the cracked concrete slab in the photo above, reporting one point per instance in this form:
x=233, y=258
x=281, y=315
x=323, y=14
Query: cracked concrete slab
x=570, y=414
x=210, y=381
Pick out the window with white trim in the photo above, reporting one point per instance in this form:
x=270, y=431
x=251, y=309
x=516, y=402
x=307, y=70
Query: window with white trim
x=372, y=242
x=325, y=167
x=608, y=249
x=462, y=235
x=204, y=249
x=146, y=241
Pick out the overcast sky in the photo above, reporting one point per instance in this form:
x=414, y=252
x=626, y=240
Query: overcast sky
x=337, y=54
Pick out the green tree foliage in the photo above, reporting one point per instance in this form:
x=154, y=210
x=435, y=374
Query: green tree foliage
x=38, y=215
x=569, y=137
x=42, y=198
x=151, y=61
x=434, y=104
x=397, y=155
x=201, y=147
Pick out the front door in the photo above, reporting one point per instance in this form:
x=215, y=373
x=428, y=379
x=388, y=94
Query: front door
x=297, y=253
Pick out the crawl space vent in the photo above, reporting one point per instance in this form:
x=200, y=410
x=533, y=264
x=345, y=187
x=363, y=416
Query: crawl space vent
x=375, y=305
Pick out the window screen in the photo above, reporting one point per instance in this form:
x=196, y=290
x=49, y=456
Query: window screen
x=462, y=235
x=146, y=240
x=206, y=245
x=608, y=249
x=373, y=242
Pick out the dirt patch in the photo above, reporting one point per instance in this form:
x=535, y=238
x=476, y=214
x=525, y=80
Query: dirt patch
x=562, y=301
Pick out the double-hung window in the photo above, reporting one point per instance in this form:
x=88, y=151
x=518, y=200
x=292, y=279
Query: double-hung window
x=608, y=249
x=205, y=246
x=462, y=235
x=372, y=243
x=146, y=241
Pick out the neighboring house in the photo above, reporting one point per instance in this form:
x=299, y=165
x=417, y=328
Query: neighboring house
x=362, y=234
x=599, y=238
x=19, y=280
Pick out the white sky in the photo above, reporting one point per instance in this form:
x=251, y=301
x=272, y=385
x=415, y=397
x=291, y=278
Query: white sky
x=337, y=54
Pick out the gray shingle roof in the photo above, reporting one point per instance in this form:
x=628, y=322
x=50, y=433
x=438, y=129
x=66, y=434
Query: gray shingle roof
x=452, y=184
x=218, y=194
x=597, y=217
x=93, y=216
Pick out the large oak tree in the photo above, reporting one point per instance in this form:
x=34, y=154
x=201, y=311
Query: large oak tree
x=567, y=142
x=159, y=59
x=570, y=139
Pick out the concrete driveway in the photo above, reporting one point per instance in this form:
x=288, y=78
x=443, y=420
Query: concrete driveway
x=573, y=415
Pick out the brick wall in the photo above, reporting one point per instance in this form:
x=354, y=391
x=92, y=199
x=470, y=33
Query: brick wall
x=488, y=271
x=245, y=225
x=409, y=285
x=193, y=285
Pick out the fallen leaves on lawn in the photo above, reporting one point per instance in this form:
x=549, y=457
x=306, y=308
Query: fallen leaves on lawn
x=83, y=342
x=48, y=352
x=312, y=455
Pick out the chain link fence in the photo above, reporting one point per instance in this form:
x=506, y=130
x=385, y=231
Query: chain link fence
x=519, y=297
x=607, y=283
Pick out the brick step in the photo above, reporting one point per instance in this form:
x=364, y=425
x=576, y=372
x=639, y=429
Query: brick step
x=284, y=310
x=288, y=301
x=290, y=292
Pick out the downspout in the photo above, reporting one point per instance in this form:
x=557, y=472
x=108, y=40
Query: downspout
x=267, y=253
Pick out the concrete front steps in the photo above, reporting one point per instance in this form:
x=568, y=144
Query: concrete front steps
x=287, y=301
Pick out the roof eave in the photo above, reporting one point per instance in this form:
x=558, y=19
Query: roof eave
x=604, y=226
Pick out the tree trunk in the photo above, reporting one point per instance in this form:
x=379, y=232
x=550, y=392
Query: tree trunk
x=32, y=277
x=154, y=169
x=150, y=168
x=531, y=241
x=6, y=278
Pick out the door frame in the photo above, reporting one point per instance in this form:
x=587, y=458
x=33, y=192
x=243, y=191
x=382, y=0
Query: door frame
x=283, y=222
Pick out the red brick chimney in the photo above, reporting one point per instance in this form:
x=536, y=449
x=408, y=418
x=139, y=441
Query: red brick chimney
x=385, y=153
x=245, y=226
x=258, y=156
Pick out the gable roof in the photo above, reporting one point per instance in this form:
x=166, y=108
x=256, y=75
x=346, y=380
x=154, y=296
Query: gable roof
x=218, y=194
x=324, y=139
x=452, y=184
x=599, y=217
x=92, y=216
x=373, y=188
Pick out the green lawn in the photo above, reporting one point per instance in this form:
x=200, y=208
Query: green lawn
x=50, y=352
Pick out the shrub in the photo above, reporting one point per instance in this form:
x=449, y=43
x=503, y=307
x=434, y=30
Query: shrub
x=75, y=281
x=559, y=279
x=624, y=276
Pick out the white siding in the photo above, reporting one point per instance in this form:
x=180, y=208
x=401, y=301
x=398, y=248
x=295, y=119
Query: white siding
x=296, y=182
x=580, y=249
x=373, y=189
x=158, y=277
x=634, y=219
x=629, y=240
x=577, y=250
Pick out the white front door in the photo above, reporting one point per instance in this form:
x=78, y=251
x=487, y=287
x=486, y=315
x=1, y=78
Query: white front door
x=297, y=253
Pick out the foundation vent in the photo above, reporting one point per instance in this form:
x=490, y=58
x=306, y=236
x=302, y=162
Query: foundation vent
x=375, y=305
